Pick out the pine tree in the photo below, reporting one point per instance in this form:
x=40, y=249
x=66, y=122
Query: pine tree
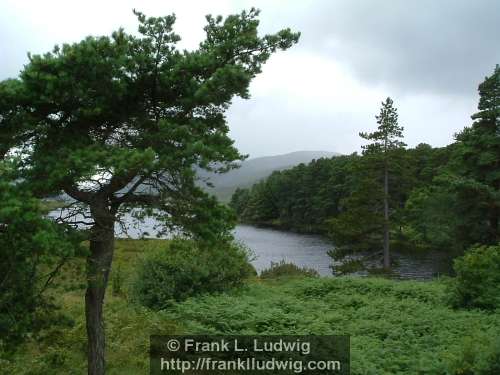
x=478, y=152
x=122, y=122
x=386, y=140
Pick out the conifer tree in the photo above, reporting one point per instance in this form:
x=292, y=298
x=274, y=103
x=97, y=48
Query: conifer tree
x=121, y=122
x=478, y=152
x=385, y=140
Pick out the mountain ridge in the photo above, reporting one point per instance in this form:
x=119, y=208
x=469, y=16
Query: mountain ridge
x=253, y=170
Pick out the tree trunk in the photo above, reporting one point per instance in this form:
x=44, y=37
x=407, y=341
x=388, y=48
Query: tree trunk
x=387, y=260
x=98, y=268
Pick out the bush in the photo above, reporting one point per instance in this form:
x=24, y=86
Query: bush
x=477, y=283
x=186, y=268
x=477, y=356
x=284, y=269
x=32, y=250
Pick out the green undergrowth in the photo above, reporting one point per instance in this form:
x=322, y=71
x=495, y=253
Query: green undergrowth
x=396, y=327
x=62, y=348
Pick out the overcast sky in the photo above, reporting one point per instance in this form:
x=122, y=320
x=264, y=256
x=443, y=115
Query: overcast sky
x=428, y=55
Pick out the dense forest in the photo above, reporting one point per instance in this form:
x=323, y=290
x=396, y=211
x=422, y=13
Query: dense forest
x=443, y=198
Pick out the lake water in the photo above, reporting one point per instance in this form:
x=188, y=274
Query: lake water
x=311, y=251
x=269, y=245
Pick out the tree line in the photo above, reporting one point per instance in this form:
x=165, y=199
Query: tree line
x=411, y=199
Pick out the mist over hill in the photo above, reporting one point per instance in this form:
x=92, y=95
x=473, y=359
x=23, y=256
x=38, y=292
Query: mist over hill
x=255, y=169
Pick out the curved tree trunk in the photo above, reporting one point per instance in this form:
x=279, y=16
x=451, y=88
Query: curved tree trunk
x=98, y=268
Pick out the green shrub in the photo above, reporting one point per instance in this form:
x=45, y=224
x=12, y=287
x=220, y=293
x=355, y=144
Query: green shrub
x=185, y=268
x=284, y=269
x=477, y=356
x=32, y=250
x=477, y=283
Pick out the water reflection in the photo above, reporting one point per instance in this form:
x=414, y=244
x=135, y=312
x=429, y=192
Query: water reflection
x=310, y=251
x=274, y=245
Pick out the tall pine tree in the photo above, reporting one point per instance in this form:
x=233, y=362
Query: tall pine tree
x=361, y=229
x=385, y=141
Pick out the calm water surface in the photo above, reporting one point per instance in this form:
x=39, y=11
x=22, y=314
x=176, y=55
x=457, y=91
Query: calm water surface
x=269, y=245
x=311, y=251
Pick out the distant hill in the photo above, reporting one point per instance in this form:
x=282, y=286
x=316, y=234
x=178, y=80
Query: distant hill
x=253, y=170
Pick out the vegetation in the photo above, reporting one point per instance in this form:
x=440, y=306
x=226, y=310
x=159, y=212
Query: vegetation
x=33, y=250
x=395, y=327
x=385, y=144
x=478, y=178
x=250, y=171
x=61, y=346
x=341, y=198
x=184, y=269
x=371, y=196
x=284, y=269
x=120, y=122
x=439, y=198
x=477, y=280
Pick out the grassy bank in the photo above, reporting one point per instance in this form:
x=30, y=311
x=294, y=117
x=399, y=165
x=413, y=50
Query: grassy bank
x=395, y=327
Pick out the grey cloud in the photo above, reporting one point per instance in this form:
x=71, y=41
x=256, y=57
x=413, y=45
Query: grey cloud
x=445, y=46
x=430, y=55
